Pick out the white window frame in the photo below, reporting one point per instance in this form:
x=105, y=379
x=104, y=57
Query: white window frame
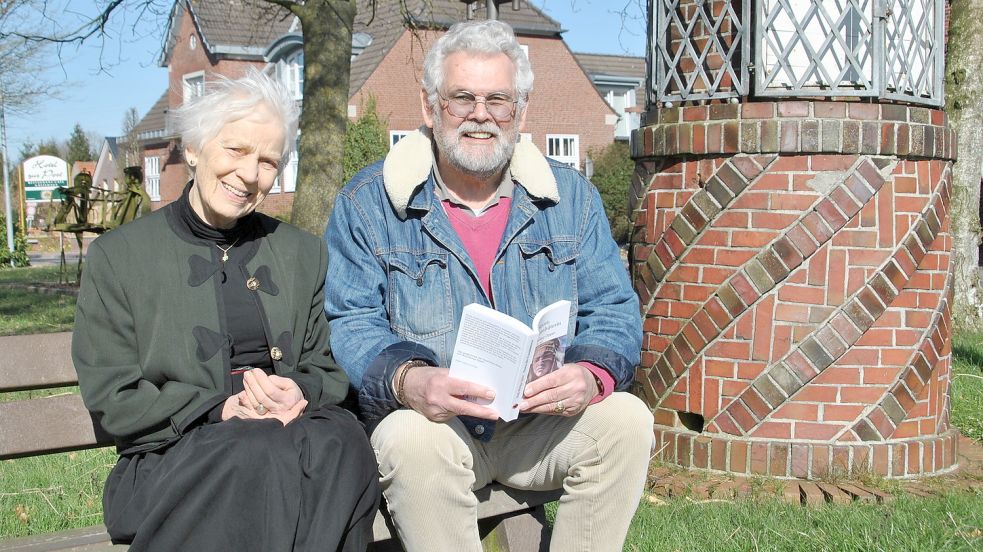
x=560, y=146
x=151, y=176
x=286, y=181
x=193, y=86
x=397, y=135
x=290, y=72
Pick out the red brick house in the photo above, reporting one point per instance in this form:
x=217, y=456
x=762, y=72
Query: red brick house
x=568, y=114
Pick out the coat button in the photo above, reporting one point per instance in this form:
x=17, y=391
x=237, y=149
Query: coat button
x=252, y=284
x=479, y=429
x=276, y=353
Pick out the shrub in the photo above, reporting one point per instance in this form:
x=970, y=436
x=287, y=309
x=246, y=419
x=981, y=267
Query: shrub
x=20, y=245
x=613, y=169
x=365, y=140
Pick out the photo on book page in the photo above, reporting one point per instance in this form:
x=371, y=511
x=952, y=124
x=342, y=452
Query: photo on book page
x=547, y=358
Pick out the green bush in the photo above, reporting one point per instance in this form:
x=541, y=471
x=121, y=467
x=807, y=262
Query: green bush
x=613, y=169
x=20, y=246
x=366, y=140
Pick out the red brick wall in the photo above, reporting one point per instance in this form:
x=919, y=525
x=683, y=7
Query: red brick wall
x=793, y=266
x=563, y=100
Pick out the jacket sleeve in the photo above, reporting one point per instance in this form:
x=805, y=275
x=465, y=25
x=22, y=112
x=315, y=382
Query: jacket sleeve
x=105, y=352
x=317, y=374
x=355, y=302
x=609, y=327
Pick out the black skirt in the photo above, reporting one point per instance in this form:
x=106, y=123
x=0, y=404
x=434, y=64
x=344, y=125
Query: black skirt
x=249, y=485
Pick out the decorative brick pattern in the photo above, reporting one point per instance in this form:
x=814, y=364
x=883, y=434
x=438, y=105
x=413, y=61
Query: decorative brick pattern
x=793, y=274
x=919, y=457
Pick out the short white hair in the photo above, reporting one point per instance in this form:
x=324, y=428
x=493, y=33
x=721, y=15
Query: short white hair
x=227, y=100
x=484, y=37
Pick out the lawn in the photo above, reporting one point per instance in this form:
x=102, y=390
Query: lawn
x=23, y=311
x=39, y=495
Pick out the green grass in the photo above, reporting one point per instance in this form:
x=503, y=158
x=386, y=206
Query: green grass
x=950, y=522
x=50, y=493
x=967, y=384
x=26, y=312
x=33, y=275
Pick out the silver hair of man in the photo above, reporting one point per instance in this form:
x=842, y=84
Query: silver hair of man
x=228, y=100
x=485, y=37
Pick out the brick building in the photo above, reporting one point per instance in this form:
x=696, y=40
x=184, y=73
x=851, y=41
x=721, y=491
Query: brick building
x=568, y=114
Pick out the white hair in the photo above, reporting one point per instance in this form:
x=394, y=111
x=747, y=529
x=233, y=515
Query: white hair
x=227, y=100
x=485, y=37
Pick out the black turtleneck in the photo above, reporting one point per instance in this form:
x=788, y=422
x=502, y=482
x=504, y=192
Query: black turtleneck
x=238, y=313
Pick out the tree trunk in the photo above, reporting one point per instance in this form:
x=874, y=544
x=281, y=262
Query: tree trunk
x=327, y=26
x=964, y=105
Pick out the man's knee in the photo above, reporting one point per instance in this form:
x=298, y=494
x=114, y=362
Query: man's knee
x=625, y=418
x=406, y=439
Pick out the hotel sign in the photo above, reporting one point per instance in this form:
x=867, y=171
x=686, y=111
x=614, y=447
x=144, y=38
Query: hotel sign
x=44, y=176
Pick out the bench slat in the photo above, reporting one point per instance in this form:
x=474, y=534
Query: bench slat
x=22, y=355
x=47, y=424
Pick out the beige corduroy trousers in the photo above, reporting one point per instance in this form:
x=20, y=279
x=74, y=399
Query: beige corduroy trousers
x=599, y=458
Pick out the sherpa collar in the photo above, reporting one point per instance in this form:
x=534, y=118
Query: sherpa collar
x=409, y=162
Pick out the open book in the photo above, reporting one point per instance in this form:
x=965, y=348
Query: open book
x=497, y=351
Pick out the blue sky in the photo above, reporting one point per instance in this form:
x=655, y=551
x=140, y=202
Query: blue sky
x=98, y=99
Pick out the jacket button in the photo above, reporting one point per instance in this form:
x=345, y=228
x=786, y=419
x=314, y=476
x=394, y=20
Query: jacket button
x=276, y=353
x=479, y=429
x=252, y=284
x=552, y=267
x=419, y=281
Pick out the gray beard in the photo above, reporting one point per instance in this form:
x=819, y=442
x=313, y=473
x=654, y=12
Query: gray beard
x=474, y=163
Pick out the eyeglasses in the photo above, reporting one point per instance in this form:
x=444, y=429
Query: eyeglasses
x=500, y=106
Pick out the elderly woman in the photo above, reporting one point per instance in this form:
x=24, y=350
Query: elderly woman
x=201, y=345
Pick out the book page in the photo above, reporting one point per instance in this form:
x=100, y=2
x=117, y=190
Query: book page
x=551, y=323
x=492, y=349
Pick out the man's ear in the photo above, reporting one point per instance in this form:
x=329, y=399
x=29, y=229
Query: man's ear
x=425, y=107
x=522, y=117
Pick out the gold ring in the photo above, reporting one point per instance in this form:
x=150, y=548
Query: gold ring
x=260, y=409
x=558, y=408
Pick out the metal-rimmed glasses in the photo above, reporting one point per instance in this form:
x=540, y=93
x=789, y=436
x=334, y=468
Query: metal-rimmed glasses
x=500, y=106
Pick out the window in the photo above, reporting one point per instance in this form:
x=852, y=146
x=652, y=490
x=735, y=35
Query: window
x=151, y=171
x=287, y=181
x=290, y=72
x=194, y=85
x=564, y=148
x=397, y=135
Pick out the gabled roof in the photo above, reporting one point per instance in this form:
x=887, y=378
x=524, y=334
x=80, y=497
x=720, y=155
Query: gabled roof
x=239, y=29
x=616, y=68
x=386, y=23
x=153, y=125
x=111, y=145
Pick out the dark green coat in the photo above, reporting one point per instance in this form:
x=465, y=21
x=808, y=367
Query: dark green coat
x=147, y=344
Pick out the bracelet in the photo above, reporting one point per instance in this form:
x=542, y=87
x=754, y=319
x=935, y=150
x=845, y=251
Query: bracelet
x=401, y=372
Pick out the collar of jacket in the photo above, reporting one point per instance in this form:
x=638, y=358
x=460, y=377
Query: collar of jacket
x=408, y=165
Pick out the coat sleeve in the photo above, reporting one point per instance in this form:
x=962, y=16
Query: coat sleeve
x=318, y=375
x=609, y=326
x=111, y=378
x=355, y=301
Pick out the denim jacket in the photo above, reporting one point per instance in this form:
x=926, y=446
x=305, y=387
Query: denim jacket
x=398, y=276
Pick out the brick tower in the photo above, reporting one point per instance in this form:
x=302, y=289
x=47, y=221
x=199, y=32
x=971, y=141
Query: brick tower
x=791, y=247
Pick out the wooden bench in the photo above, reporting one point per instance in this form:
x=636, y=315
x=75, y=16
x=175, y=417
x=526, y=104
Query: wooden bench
x=510, y=519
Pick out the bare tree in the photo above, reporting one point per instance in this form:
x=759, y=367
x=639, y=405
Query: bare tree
x=964, y=104
x=20, y=87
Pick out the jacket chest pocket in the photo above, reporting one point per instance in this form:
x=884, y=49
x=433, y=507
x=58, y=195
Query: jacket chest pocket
x=419, y=295
x=549, y=273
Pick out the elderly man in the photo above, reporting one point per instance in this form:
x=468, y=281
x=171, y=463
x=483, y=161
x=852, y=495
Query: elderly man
x=460, y=213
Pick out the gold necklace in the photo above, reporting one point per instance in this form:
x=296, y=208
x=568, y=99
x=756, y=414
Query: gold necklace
x=225, y=250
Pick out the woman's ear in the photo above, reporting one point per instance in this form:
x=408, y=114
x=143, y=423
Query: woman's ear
x=191, y=157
